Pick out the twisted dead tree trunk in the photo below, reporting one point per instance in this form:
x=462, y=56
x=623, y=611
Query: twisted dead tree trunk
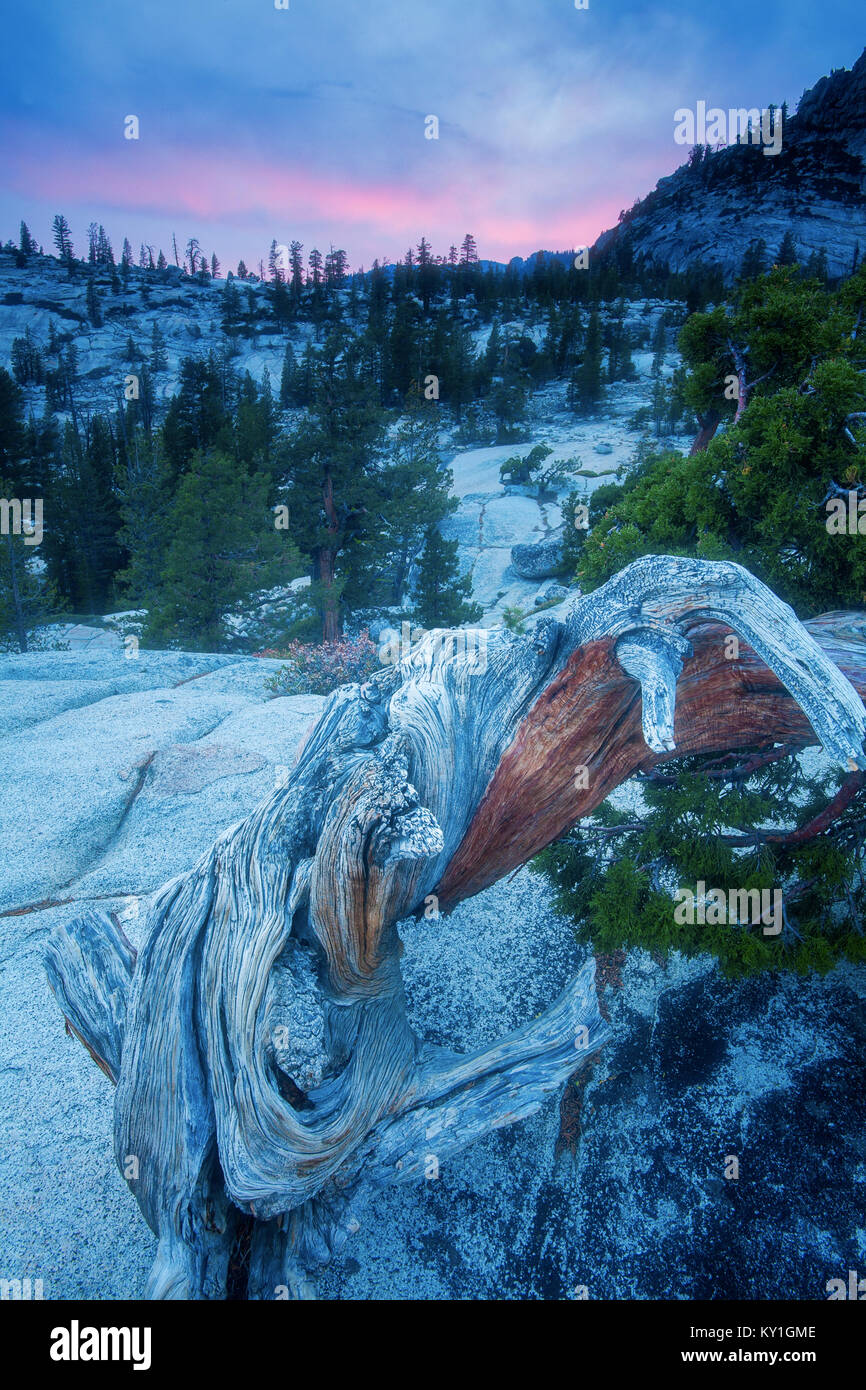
x=266, y=1074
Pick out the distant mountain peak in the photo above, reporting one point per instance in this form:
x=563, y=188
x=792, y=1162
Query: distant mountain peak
x=710, y=208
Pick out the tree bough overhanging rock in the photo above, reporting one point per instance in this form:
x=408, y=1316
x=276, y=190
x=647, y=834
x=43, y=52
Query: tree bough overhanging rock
x=266, y=1072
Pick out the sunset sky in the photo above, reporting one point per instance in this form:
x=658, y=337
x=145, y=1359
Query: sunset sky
x=308, y=123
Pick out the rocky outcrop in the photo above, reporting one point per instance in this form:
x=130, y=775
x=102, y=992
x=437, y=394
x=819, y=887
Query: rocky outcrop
x=618, y=1189
x=540, y=560
x=709, y=210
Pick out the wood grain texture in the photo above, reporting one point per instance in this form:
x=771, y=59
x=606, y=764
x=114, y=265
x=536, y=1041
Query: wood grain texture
x=265, y=1067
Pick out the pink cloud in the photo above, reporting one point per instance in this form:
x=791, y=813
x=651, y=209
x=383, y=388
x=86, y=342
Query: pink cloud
x=264, y=200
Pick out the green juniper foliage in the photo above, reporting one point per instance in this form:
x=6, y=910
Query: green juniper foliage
x=714, y=821
x=757, y=494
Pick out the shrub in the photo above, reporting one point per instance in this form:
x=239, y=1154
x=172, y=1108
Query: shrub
x=513, y=617
x=317, y=670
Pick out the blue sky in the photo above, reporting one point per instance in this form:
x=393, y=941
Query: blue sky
x=308, y=123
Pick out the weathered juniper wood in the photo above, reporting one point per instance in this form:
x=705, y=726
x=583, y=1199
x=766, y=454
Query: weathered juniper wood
x=266, y=1073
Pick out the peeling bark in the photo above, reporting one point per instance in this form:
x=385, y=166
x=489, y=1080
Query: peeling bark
x=264, y=1063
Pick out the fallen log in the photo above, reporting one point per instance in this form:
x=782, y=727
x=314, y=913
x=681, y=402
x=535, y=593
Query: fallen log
x=266, y=1074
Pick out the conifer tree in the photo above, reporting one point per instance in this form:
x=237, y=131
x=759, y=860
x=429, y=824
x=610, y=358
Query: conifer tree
x=193, y=254
x=816, y=266
x=26, y=597
x=222, y=546
x=787, y=253
x=441, y=593
x=589, y=384
x=104, y=251
x=26, y=359
x=62, y=238
x=754, y=261
x=333, y=472
x=287, y=378
x=659, y=344
x=12, y=432
x=230, y=311
x=335, y=269
x=144, y=500
x=468, y=251
x=296, y=268
x=426, y=272
x=416, y=480
x=158, y=351
x=94, y=312
x=315, y=263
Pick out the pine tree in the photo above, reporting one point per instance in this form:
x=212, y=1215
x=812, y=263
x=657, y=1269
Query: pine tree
x=588, y=383
x=214, y=267
x=125, y=262
x=104, y=252
x=336, y=484
x=296, y=269
x=335, y=269
x=468, y=251
x=198, y=416
x=426, y=273
x=440, y=592
x=242, y=270
x=193, y=252
x=287, y=378
x=26, y=244
x=81, y=548
x=754, y=261
x=94, y=312
x=816, y=266
x=223, y=547
x=418, y=491
x=659, y=344
x=12, y=443
x=230, y=313
x=26, y=597
x=144, y=499
x=62, y=238
x=660, y=405
x=158, y=353
x=493, y=352
x=787, y=253
x=26, y=359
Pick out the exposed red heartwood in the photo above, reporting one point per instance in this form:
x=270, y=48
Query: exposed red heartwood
x=591, y=717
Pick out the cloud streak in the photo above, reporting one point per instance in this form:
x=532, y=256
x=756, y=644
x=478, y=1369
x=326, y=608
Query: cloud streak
x=258, y=123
